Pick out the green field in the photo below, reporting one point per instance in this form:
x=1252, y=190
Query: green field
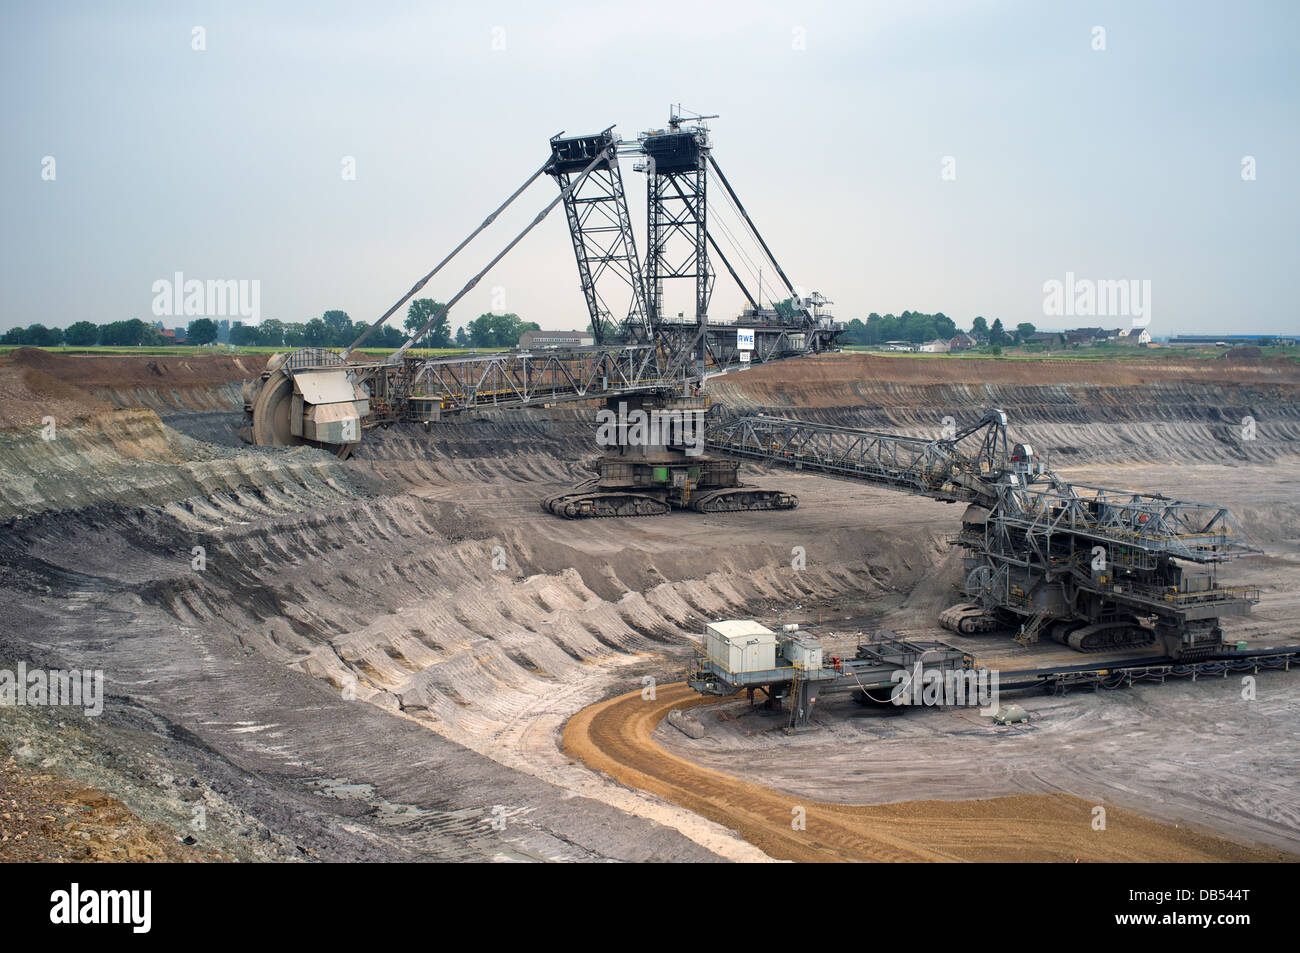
x=1098, y=352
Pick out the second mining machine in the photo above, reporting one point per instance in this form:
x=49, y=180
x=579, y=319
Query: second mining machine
x=1089, y=567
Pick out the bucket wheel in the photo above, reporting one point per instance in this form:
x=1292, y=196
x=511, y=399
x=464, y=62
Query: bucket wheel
x=272, y=408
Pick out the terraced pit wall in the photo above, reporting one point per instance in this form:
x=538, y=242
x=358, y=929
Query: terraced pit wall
x=411, y=618
x=1075, y=412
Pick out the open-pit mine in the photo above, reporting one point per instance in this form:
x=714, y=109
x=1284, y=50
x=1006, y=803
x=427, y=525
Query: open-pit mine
x=696, y=590
x=402, y=655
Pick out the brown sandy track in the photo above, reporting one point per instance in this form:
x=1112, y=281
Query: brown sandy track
x=614, y=737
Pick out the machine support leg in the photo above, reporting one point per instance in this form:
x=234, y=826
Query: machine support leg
x=802, y=699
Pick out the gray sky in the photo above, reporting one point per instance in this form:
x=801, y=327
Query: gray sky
x=1124, y=163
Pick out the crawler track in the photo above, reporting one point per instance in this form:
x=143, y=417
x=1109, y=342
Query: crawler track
x=1105, y=636
x=743, y=499
x=593, y=504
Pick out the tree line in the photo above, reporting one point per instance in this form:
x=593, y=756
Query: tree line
x=916, y=327
x=85, y=334
x=332, y=329
x=911, y=326
x=335, y=329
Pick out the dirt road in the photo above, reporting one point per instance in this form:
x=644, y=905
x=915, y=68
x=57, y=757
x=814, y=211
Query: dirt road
x=615, y=737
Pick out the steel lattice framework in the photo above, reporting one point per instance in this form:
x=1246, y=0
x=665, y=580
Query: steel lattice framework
x=935, y=468
x=422, y=389
x=1092, y=559
x=1143, y=522
x=636, y=351
x=1028, y=509
x=603, y=242
x=677, y=216
x=522, y=378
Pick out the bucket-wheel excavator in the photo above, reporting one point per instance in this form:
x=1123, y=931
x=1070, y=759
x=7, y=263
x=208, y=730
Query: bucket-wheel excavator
x=643, y=364
x=1093, y=568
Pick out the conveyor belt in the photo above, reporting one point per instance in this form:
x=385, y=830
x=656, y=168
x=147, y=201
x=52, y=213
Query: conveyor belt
x=1124, y=671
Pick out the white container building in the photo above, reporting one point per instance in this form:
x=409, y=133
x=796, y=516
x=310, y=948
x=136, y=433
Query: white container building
x=740, y=645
